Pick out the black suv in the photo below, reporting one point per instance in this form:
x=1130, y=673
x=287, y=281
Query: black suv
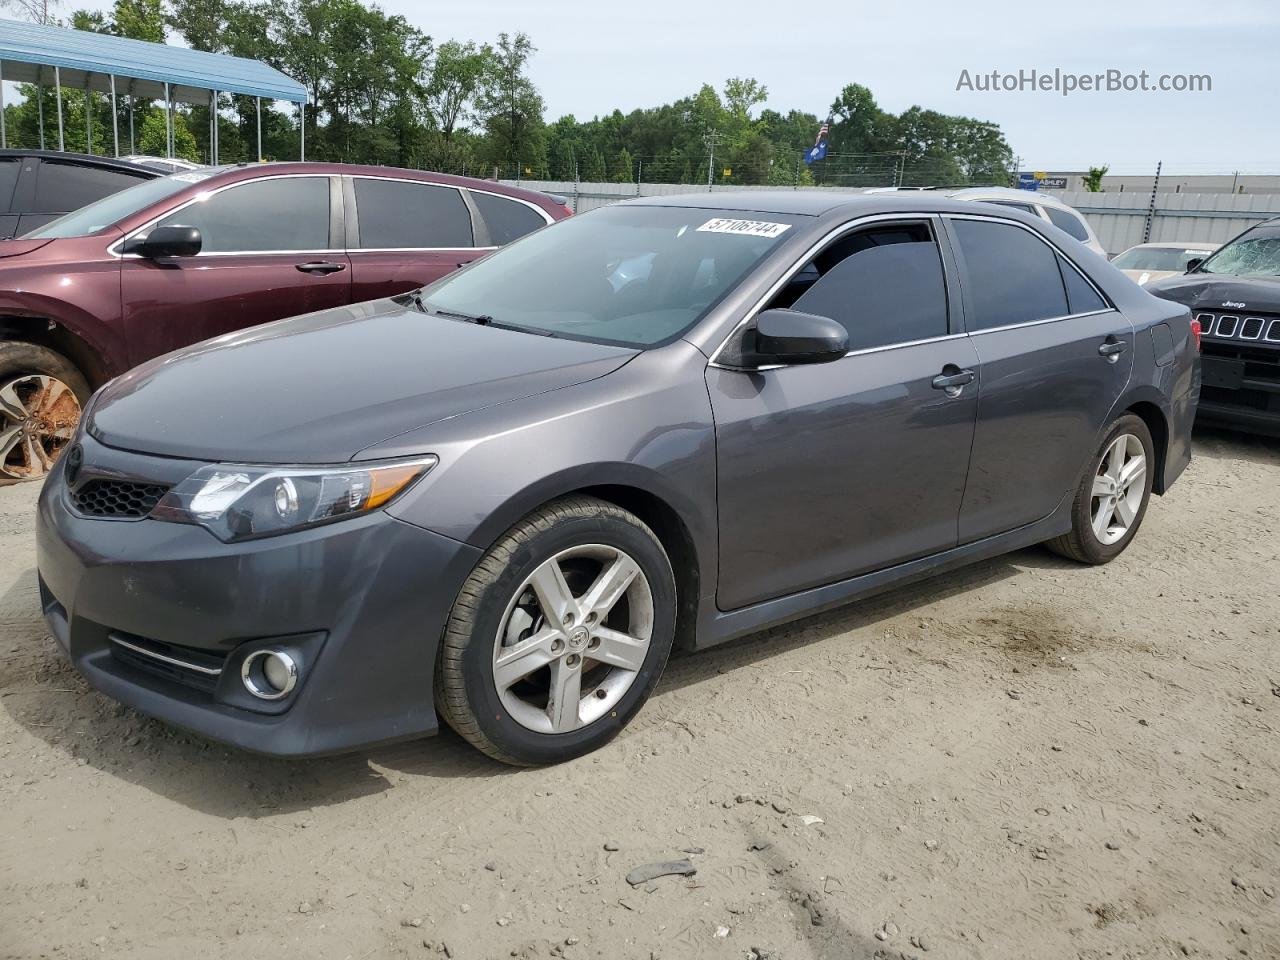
x=37, y=186
x=1235, y=294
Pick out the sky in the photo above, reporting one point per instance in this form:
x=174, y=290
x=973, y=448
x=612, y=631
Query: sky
x=593, y=56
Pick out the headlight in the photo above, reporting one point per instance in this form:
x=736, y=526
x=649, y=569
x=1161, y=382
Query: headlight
x=237, y=502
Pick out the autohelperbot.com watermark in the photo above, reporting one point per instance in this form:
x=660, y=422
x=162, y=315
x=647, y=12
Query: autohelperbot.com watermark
x=1065, y=82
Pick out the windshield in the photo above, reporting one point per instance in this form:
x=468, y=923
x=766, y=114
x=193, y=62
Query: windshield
x=1158, y=258
x=103, y=213
x=630, y=275
x=1254, y=254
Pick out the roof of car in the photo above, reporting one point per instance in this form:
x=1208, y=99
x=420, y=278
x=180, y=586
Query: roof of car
x=810, y=203
x=294, y=167
x=86, y=158
x=1174, y=245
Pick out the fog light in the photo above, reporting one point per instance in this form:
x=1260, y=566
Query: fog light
x=269, y=674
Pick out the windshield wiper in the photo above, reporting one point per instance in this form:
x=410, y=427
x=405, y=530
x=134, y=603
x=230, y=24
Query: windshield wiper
x=481, y=319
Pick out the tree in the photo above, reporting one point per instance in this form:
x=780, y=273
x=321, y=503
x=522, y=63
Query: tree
x=151, y=139
x=624, y=167
x=138, y=20
x=37, y=11
x=458, y=76
x=512, y=105
x=1093, y=179
x=743, y=94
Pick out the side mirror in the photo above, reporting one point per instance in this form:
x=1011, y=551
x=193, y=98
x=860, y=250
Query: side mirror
x=790, y=336
x=1194, y=264
x=164, y=242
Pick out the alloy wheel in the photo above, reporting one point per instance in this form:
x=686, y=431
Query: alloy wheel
x=38, y=415
x=573, y=638
x=1118, y=489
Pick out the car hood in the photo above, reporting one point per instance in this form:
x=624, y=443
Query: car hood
x=322, y=387
x=1144, y=277
x=1212, y=292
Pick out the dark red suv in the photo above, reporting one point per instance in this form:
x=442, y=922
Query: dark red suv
x=195, y=255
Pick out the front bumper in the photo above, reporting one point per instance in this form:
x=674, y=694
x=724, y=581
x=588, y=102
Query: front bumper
x=363, y=602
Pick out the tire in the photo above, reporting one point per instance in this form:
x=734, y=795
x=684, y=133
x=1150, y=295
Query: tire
x=41, y=396
x=1085, y=543
x=493, y=620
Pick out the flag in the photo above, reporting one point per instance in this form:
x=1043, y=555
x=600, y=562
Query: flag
x=819, y=148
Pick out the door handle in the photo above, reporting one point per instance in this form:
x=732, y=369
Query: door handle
x=1111, y=348
x=321, y=267
x=953, y=380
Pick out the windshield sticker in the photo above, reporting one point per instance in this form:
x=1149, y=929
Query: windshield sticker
x=746, y=228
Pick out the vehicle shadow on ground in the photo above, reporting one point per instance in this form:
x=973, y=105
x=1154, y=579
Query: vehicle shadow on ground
x=760, y=647
x=58, y=708
x=1219, y=443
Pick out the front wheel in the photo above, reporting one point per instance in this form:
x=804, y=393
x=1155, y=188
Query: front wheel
x=41, y=393
x=1113, y=495
x=559, y=634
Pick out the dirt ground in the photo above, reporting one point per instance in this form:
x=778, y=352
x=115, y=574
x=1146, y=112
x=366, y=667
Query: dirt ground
x=1026, y=759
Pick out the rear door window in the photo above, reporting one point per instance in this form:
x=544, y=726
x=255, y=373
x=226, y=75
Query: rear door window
x=405, y=214
x=506, y=219
x=1010, y=275
x=61, y=187
x=273, y=215
x=1068, y=222
x=884, y=284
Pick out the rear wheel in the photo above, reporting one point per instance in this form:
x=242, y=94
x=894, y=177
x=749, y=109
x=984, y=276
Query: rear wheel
x=559, y=635
x=1113, y=495
x=41, y=395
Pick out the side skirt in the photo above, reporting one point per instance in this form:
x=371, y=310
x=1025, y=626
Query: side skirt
x=718, y=626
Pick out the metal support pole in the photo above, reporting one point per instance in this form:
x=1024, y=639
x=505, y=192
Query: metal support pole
x=257, y=102
x=88, y=117
x=1151, y=208
x=4, y=140
x=115, y=121
x=302, y=117
x=133, y=109
x=168, y=122
x=213, y=125
x=57, y=80
x=40, y=103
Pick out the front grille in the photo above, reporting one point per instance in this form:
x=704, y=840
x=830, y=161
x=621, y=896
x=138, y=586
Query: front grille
x=1263, y=328
x=119, y=499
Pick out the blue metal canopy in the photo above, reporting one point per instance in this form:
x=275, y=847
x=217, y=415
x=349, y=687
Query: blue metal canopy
x=85, y=60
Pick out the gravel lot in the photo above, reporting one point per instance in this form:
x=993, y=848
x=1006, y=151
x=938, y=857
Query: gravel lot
x=1024, y=759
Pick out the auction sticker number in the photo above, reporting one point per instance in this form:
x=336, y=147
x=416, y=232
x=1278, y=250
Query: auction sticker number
x=745, y=228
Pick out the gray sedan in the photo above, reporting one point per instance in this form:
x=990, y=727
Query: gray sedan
x=506, y=498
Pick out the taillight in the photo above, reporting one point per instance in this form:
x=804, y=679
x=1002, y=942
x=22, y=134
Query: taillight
x=568, y=210
x=1195, y=332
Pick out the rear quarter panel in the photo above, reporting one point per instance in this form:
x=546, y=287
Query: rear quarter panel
x=1166, y=369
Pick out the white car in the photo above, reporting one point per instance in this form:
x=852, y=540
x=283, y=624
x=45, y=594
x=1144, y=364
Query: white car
x=1155, y=261
x=167, y=164
x=1038, y=205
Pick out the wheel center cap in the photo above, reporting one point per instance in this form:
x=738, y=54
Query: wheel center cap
x=578, y=638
